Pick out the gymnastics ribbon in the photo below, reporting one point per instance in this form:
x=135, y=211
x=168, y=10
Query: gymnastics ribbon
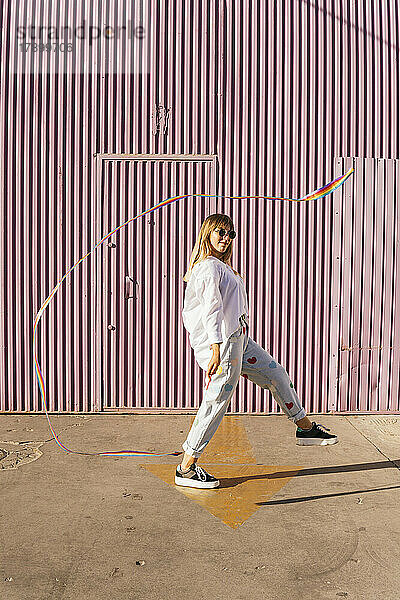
x=324, y=191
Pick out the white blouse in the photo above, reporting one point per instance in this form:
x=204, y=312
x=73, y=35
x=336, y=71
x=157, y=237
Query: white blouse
x=215, y=298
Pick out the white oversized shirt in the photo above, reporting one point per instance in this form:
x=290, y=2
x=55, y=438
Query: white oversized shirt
x=215, y=298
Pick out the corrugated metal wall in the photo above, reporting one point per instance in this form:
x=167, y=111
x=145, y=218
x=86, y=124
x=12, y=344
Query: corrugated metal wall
x=283, y=94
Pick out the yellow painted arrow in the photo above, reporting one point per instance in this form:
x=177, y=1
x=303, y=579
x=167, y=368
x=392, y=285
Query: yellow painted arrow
x=243, y=483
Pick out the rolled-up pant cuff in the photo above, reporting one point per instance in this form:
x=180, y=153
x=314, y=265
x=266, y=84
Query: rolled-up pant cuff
x=190, y=451
x=300, y=415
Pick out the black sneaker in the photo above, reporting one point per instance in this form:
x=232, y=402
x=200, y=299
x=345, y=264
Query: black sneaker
x=316, y=436
x=196, y=477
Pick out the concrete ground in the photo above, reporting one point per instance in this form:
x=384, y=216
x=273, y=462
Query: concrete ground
x=319, y=523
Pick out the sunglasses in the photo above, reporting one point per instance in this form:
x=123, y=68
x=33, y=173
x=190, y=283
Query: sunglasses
x=223, y=232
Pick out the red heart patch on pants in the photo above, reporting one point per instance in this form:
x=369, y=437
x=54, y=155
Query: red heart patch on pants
x=289, y=405
x=252, y=360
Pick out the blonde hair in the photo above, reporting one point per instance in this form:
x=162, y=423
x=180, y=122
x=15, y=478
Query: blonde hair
x=203, y=247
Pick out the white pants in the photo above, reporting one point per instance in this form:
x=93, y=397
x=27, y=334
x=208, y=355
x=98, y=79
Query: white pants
x=240, y=355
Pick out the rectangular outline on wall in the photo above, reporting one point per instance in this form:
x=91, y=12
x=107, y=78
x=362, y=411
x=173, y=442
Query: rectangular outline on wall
x=99, y=160
x=343, y=163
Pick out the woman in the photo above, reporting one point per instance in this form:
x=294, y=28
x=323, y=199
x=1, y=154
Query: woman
x=215, y=313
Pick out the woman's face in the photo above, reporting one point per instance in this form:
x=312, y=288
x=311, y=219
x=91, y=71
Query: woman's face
x=220, y=244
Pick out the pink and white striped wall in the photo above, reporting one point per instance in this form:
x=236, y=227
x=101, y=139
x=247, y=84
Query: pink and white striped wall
x=273, y=98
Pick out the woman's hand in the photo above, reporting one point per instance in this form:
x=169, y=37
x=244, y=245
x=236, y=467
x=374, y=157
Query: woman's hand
x=214, y=362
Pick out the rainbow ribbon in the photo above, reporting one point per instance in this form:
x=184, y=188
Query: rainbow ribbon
x=324, y=191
